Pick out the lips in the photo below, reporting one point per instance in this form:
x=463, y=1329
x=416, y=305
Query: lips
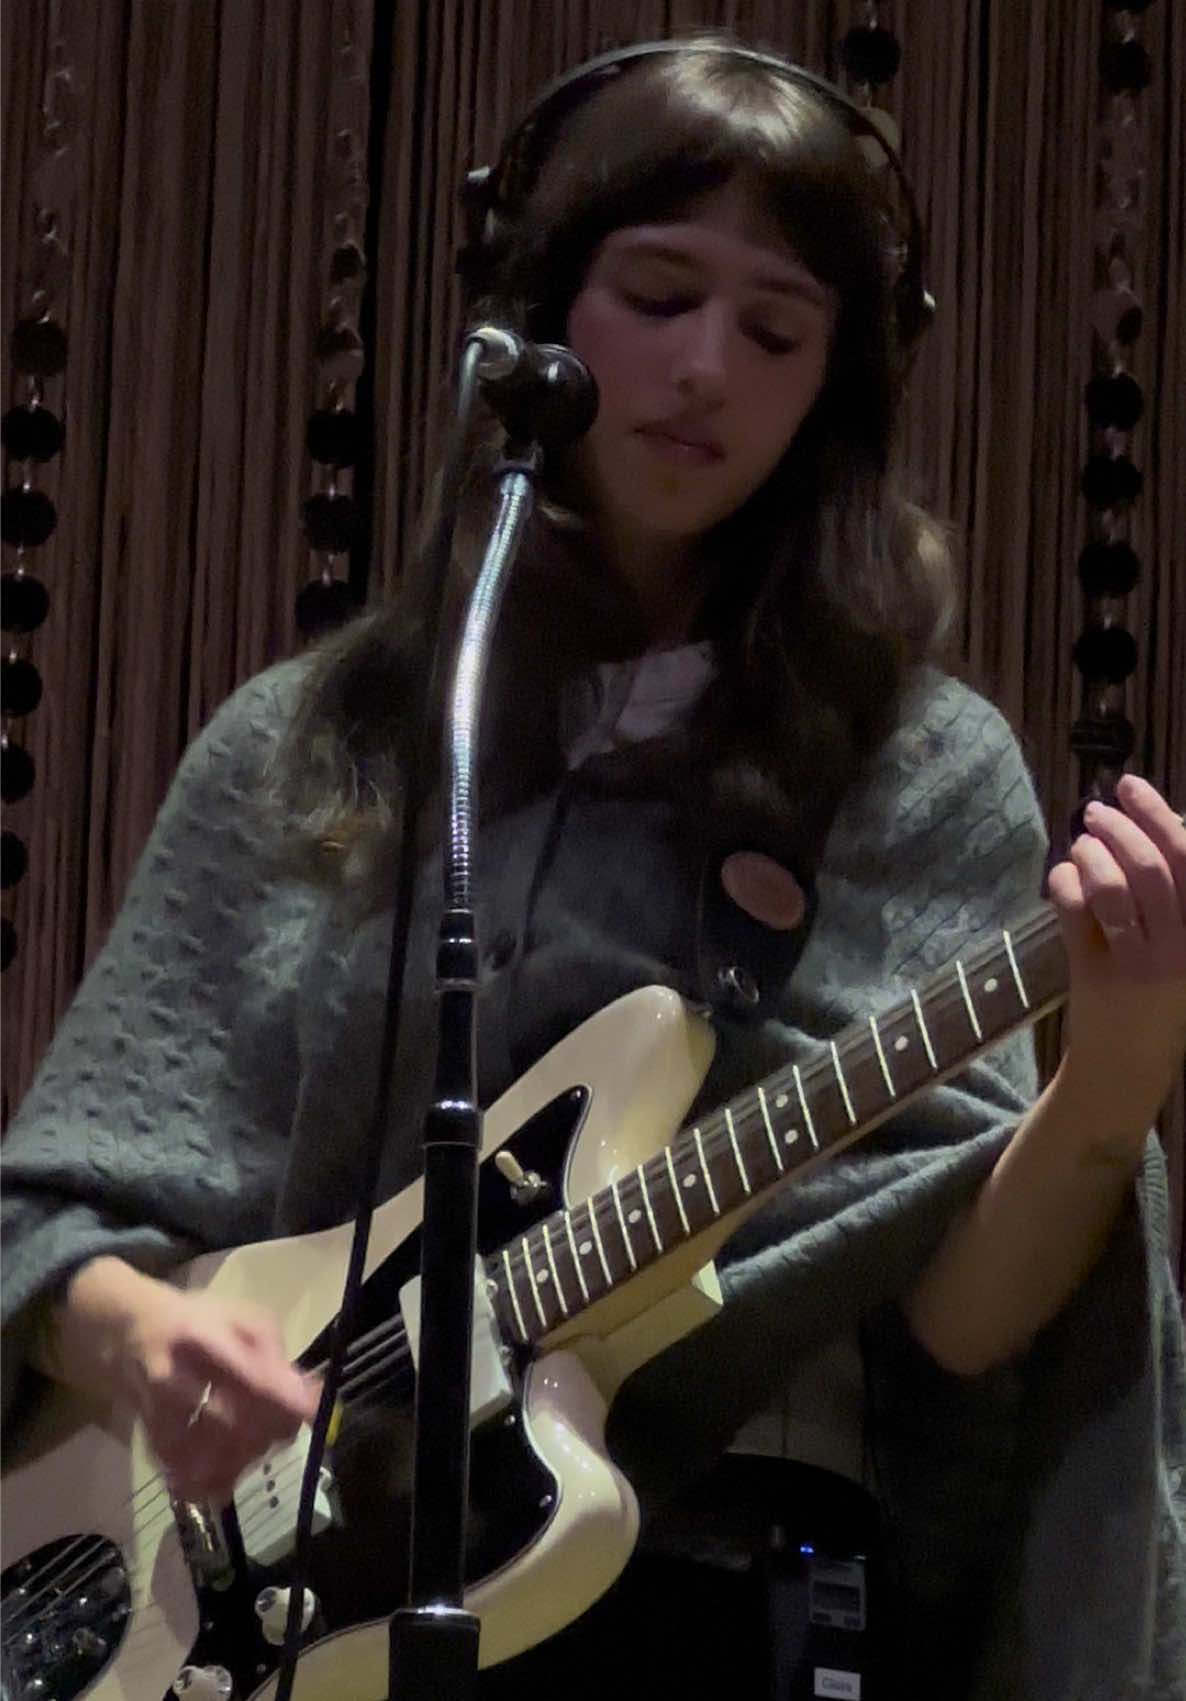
x=682, y=443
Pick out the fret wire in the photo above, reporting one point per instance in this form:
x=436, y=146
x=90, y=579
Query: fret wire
x=646, y=1199
x=889, y=1080
x=677, y=1193
x=777, y=1155
x=576, y=1261
x=555, y=1271
x=712, y=1192
x=922, y=1028
x=529, y=1263
x=843, y=1085
x=737, y=1151
x=1024, y=996
x=808, y=1083
x=804, y=1107
x=597, y=1241
x=506, y=1259
x=972, y=1016
x=617, y=1198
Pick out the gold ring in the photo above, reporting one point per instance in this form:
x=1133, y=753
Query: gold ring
x=203, y=1402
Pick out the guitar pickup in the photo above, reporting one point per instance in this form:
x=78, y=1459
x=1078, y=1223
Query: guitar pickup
x=268, y=1494
x=490, y=1389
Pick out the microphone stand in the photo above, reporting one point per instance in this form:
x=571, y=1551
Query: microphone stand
x=433, y=1640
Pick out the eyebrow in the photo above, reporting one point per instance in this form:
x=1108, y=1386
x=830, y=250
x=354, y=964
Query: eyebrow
x=798, y=283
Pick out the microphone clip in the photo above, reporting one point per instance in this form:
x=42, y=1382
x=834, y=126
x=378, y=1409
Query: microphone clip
x=541, y=392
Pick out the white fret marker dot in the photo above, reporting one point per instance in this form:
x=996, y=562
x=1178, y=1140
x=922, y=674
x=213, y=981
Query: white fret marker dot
x=782, y=1101
x=634, y=1216
x=791, y=1135
x=541, y=1276
x=901, y=1043
x=585, y=1248
x=689, y=1180
x=991, y=983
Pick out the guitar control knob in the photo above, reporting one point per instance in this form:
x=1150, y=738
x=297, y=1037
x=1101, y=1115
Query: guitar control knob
x=271, y=1608
x=203, y=1683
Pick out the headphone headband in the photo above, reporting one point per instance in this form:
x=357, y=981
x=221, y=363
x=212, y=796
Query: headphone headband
x=493, y=195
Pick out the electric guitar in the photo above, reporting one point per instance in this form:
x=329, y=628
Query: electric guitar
x=597, y=1239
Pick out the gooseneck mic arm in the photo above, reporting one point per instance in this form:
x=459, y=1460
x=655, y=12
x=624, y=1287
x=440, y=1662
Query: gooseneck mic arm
x=546, y=398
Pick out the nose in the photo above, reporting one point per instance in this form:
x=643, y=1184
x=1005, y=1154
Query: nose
x=701, y=364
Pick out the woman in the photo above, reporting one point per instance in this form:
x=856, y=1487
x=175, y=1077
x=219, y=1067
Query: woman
x=713, y=718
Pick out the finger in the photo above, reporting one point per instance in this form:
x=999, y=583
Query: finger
x=233, y=1424
x=1081, y=934
x=206, y=1476
x=1127, y=877
x=205, y=1453
x=1105, y=884
x=220, y=1355
x=1145, y=805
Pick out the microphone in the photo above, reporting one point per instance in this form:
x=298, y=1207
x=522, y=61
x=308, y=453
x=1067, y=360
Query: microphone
x=538, y=390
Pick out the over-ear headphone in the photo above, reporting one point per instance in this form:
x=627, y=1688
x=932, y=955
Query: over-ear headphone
x=493, y=196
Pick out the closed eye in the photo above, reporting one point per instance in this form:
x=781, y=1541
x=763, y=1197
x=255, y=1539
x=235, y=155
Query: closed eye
x=660, y=306
x=771, y=341
x=669, y=305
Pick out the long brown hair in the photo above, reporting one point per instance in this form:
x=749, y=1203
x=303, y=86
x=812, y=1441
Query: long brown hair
x=829, y=586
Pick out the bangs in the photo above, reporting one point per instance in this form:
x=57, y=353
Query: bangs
x=649, y=144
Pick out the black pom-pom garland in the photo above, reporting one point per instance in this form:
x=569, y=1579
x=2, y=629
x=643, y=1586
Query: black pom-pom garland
x=329, y=516
x=871, y=55
x=1105, y=653
x=24, y=602
x=33, y=435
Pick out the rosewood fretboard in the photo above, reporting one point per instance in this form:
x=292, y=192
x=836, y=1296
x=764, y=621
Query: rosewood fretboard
x=729, y=1160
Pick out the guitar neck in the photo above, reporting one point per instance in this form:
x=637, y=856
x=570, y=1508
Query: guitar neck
x=727, y=1163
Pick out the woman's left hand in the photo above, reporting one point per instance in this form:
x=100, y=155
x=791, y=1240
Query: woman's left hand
x=1121, y=896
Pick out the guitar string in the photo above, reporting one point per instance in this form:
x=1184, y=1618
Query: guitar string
x=373, y=1372
x=635, y=1190
x=655, y=1181
x=49, y=1579
x=368, y=1355
x=945, y=995
x=632, y=1189
x=52, y=1574
x=141, y=1618
x=62, y=1572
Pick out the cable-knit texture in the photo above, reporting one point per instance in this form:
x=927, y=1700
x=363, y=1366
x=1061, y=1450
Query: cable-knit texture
x=213, y=1078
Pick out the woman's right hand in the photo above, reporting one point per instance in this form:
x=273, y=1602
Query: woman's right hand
x=210, y=1379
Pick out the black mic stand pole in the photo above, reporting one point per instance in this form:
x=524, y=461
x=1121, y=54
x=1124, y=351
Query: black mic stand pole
x=433, y=1641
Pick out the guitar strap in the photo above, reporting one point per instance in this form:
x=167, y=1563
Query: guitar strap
x=742, y=964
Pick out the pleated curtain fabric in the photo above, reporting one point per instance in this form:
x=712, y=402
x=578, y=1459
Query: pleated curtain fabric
x=196, y=285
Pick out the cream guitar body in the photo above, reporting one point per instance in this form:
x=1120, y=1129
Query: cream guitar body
x=596, y=1238
x=92, y=1547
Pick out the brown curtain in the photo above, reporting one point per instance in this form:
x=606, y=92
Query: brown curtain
x=195, y=181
